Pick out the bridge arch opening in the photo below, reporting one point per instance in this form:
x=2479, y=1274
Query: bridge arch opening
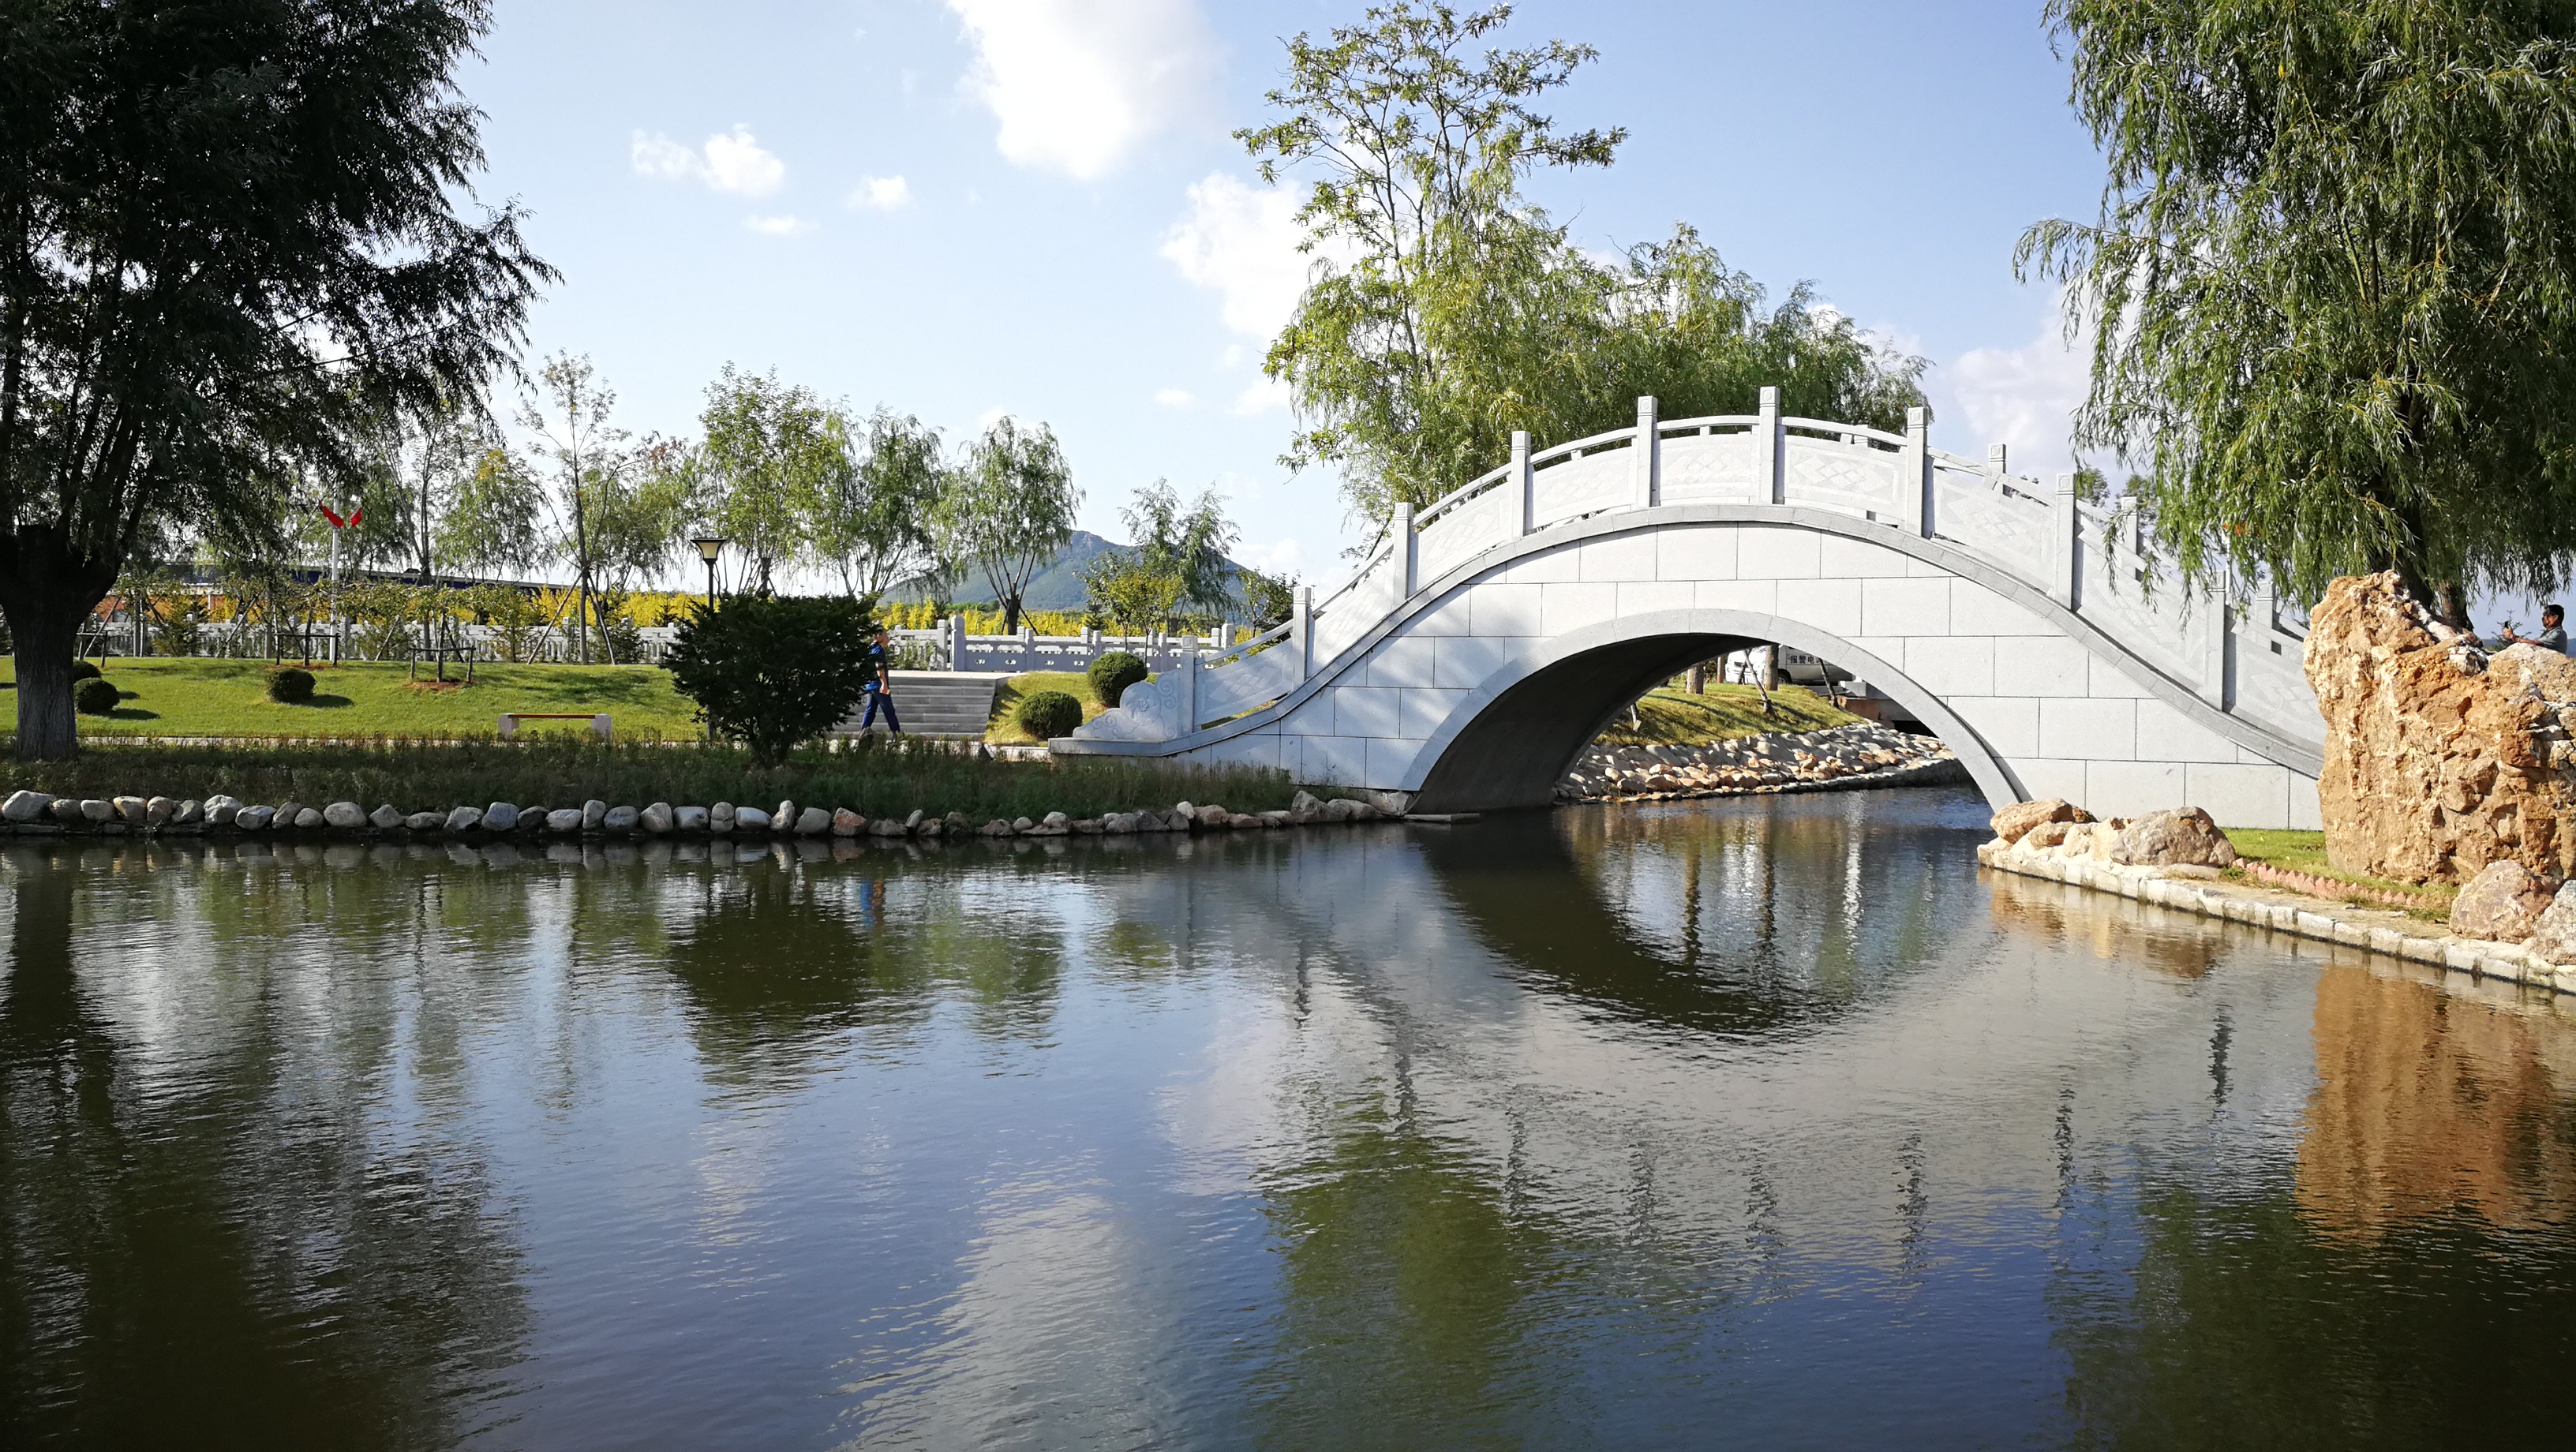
x=1512, y=739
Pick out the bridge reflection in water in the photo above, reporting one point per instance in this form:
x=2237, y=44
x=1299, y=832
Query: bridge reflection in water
x=1618, y=1125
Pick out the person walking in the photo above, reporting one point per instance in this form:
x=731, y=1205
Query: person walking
x=2553, y=631
x=880, y=686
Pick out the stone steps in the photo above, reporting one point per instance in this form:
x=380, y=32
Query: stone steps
x=937, y=703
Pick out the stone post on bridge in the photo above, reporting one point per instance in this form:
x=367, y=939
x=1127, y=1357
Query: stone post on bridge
x=1408, y=554
x=1769, y=481
x=1525, y=479
x=1647, y=461
x=1914, y=475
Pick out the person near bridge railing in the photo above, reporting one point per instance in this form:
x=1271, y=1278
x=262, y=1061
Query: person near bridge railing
x=880, y=686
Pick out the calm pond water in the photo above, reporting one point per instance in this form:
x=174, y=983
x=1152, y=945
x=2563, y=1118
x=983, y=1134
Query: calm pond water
x=1768, y=1124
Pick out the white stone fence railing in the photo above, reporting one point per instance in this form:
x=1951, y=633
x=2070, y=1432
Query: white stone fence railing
x=2086, y=557
x=948, y=646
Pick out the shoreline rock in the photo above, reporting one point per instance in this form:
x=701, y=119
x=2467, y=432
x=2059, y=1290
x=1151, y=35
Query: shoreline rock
x=1865, y=752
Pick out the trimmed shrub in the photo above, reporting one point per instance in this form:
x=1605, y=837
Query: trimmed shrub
x=1049, y=714
x=290, y=686
x=771, y=671
x=1112, y=674
x=84, y=670
x=96, y=696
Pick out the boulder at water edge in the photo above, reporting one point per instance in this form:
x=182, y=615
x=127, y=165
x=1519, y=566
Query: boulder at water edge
x=24, y=806
x=2503, y=902
x=308, y=818
x=750, y=819
x=254, y=819
x=2439, y=758
x=594, y=815
x=2176, y=837
x=618, y=819
x=95, y=810
x=464, y=819
x=500, y=817
x=2016, y=821
x=2554, y=936
x=813, y=822
x=424, y=821
x=656, y=818
x=344, y=815
x=689, y=819
x=388, y=817
x=847, y=823
x=564, y=819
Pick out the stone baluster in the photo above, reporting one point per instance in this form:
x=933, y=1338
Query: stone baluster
x=1646, y=458
x=1771, y=479
x=1914, y=474
x=1998, y=464
x=1189, y=692
x=957, y=641
x=2216, y=628
x=1408, y=554
x=1524, y=480
x=2065, y=542
x=1301, y=627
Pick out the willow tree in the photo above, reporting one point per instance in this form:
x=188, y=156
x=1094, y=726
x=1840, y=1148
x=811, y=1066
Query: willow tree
x=1010, y=510
x=2333, y=283
x=1444, y=310
x=230, y=235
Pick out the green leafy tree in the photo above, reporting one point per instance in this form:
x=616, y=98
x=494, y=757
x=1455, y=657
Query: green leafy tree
x=771, y=456
x=1186, y=542
x=568, y=412
x=1444, y=311
x=877, y=520
x=1010, y=509
x=229, y=233
x=1267, y=598
x=2333, y=283
x=1134, y=595
x=496, y=520
x=771, y=671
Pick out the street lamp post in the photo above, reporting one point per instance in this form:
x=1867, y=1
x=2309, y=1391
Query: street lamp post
x=709, y=547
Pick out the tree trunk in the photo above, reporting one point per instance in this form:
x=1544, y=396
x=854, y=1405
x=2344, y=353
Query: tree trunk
x=1011, y=614
x=1696, y=681
x=45, y=635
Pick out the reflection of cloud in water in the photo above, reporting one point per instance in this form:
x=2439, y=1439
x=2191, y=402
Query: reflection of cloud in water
x=1053, y=1339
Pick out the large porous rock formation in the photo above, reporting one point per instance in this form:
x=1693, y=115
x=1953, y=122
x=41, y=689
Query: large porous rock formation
x=2440, y=758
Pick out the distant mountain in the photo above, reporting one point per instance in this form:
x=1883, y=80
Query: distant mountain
x=1058, y=586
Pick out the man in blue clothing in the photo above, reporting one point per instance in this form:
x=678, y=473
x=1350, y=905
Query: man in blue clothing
x=880, y=687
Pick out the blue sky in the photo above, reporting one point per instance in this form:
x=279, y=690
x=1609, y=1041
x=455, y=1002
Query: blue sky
x=962, y=207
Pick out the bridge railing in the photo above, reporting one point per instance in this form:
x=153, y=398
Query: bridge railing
x=2040, y=534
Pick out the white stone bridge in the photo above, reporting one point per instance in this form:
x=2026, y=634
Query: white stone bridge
x=1494, y=633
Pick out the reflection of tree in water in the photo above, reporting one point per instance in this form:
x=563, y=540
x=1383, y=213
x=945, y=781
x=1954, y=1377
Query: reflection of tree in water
x=779, y=958
x=1729, y=918
x=2411, y=1287
x=227, y=1261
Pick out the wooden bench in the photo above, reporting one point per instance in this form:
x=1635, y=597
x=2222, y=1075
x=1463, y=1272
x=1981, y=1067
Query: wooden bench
x=510, y=721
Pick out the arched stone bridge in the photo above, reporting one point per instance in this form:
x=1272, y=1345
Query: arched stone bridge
x=1495, y=632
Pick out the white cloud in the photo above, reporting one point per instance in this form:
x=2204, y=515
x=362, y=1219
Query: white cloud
x=1174, y=397
x=1276, y=557
x=730, y=162
x=1241, y=242
x=1261, y=396
x=1076, y=85
x=778, y=226
x=884, y=193
x=2022, y=397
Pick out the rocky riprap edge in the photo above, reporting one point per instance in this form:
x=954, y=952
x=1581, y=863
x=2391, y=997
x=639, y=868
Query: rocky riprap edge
x=30, y=813
x=2178, y=859
x=1781, y=761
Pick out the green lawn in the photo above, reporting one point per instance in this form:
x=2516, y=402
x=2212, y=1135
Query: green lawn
x=1670, y=717
x=194, y=697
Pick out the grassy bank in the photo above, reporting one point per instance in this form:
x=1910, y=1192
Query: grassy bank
x=891, y=778
x=1005, y=729
x=2306, y=852
x=1671, y=717
x=197, y=697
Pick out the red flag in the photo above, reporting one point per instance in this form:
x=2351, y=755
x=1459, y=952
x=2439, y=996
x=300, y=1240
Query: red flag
x=355, y=515
x=336, y=521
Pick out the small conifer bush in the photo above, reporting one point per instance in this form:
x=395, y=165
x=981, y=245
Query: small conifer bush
x=1049, y=714
x=290, y=686
x=1112, y=674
